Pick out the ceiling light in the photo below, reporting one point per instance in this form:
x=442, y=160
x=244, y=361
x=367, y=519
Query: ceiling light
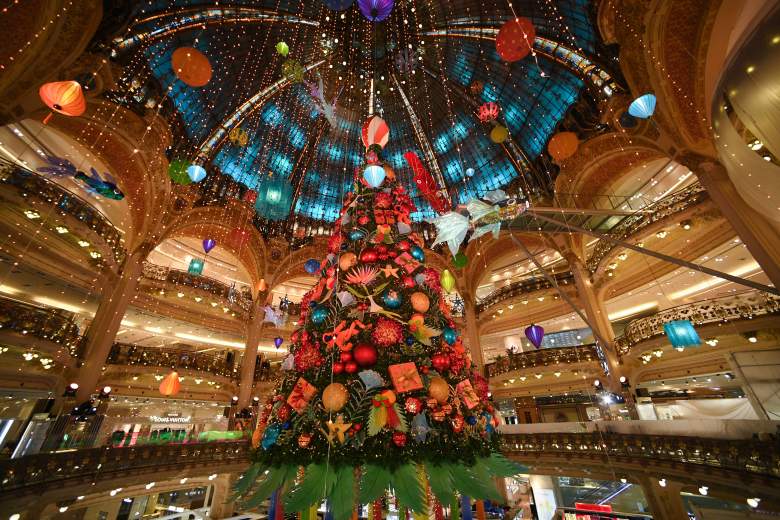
x=662, y=482
x=61, y=230
x=180, y=294
x=752, y=338
x=32, y=214
x=753, y=502
x=703, y=490
x=686, y=224
x=662, y=234
x=95, y=254
x=83, y=243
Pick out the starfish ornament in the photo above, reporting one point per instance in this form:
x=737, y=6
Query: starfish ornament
x=337, y=429
x=389, y=271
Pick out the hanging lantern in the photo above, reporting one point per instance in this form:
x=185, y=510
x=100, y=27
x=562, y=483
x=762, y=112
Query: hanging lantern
x=274, y=198
x=238, y=136
x=191, y=66
x=196, y=266
x=499, y=134
x=642, y=107
x=177, y=171
x=535, y=335
x=65, y=97
x=170, y=385
x=470, y=172
x=563, y=145
x=515, y=39
x=311, y=266
x=488, y=112
x=375, y=131
x=262, y=286
x=196, y=172
x=376, y=10
x=278, y=341
x=447, y=280
x=681, y=334
x=282, y=48
x=374, y=175
x=208, y=244
x=249, y=196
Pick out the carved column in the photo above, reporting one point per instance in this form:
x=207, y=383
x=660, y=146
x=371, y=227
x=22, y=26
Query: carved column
x=665, y=501
x=472, y=331
x=761, y=237
x=101, y=333
x=249, y=360
x=221, y=499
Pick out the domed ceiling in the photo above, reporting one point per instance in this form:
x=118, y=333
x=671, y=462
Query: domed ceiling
x=426, y=69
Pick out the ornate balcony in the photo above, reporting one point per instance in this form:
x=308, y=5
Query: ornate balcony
x=522, y=287
x=219, y=363
x=32, y=185
x=542, y=358
x=747, y=305
x=57, y=326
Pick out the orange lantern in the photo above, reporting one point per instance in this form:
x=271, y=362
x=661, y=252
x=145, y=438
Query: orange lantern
x=65, y=97
x=515, y=39
x=191, y=66
x=170, y=384
x=563, y=145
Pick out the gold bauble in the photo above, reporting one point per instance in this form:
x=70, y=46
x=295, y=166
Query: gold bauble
x=334, y=397
x=420, y=302
x=439, y=389
x=347, y=260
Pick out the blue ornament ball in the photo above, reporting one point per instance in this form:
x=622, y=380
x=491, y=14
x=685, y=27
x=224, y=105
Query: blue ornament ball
x=418, y=254
x=469, y=172
x=391, y=299
x=286, y=425
x=410, y=341
x=311, y=266
x=319, y=315
x=356, y=234
x=449, y=335
x=471, y=420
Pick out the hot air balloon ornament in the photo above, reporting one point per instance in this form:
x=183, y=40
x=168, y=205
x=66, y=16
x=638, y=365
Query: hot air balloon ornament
x=64, y=97
x=535, y=335
x=375, y=133
x=209, y=244
x=170, y=384
x=488, y=112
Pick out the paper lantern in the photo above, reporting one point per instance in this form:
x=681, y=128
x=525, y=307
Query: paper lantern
x=439, y=389
x=499, y=134
x=681, y=334
x=447, y=281
x=191, y=66
x=563, y=145
x=196, y=266
x=278, y=341
x=535, y=334
x=642, y=107
x=488, y=112
x=196, y=172
x=282, y=48
x=274, y=198
x=170, y=384
x=376, y=10
x=338, y=5
x=311, y=266
x=65, y=97
x=209, y=244
x=515, y=39
x=374, y=175
x=375, y=131
x=334, y=397
x=177, y=171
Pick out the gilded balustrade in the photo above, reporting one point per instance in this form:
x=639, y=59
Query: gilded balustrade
x=522, y=287
x=735, y=307
x=222, y=363
x=57, y=326
x=542, y=358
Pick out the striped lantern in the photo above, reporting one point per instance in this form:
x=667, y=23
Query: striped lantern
x=65, y=97
x=170, y=384
x=375, y=131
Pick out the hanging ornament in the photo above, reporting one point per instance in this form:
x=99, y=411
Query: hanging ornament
x=476, y=88
x=374, y=175
x=488, y=112
x=319, y=315
x=64, y=97
x=347, y=260
x=417, y=253
x=470, y=172
x=196, y=266
x=515, y=39
x=250, y=197
x=449, y=335
x=278, y=341
x=196, y=172
x=338, y=5
x=642, y=107
x=191, y=66
x=562, y=146
x=304, y=440
x=420, y=302
x=311, y=266
x=399, y=439
x=274, y=198
x=499, y=134
x=376, y=10
x=334, y=397
x=293, y=71
x=391, y=299
x=177, y=171
x=535, y=334
x=375, y=132
x=681, y=334
x=365, y=355
x=460, y=260
x=439, y=389
x=447, y=280
x=170, y=384
x=282, y=48
x=238, y=136
x=208, y=244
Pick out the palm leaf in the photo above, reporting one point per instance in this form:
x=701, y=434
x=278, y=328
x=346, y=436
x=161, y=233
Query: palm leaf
x=408, y=489
x=247, y=479
x=317, y=483
x=440, y=480
x=500, y=466
x=484, y=477
x=403, y=426
x=374, y=482
x=270, y=482
x=342, y=498
x=465, y=481
x=377, y=419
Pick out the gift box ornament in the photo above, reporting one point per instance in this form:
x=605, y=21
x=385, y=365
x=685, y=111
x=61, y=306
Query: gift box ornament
x=406, y=261
x=405, y=377
x=301, y=395
x=467, y=394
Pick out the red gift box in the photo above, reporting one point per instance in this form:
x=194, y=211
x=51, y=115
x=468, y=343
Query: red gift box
x=405, y=377
x=301, y=395
x=467, y=394
x=407, y=262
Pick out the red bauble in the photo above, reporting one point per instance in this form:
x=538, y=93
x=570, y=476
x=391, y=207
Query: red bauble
x=399, y=439
x=381, y=249
x=363, y=220
x=368, y=255
x=350, y=367
x=413, y=405
x=365, y=355
x=338, y=368
x=346, y=356
x=403, y=245
x=457, y=423
x=440, y=361
x=283, y=413
x=409, y=282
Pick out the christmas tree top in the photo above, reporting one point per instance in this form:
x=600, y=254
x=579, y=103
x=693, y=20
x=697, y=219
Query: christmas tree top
x=379, y=392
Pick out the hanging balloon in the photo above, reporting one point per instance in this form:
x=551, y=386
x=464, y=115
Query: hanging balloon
x=338, y=5
x=311, y=266
x=65, y=97
x=374, y=175
x=208, y=244
x=376, y=10
x=499, y=134
x=460, y=260
x=170, y=384
x=642, y=107
x=375, y=131
x=515, y=39
x=196, y=172
x=447, y=280
x=282, y=48
x=535, y=334
x=278, y=341
x=470, y=172
x=177, y=171
x=191, y=66
x=562, y=146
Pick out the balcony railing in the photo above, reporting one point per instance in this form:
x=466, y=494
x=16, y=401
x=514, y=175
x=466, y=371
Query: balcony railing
x=735, y=307
x=664, y=208
x=522, y=287
x=38, y=322
x=221, y=363
x=542, y=358
x=240, y=297
x=34, y=185
x=742, y=455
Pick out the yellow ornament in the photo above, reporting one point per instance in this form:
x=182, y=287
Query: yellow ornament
x=439, y=389
x=338, y=429
x=334, y=397
x=238, y=136
x=447, y=280
x=420, y=302
x=347, y=260
x=499, y=134
x=389, y=395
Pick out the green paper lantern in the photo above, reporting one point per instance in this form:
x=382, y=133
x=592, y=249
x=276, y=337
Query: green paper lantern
x=274, y=198
x=177, y=171
x=282, y=48
x=196, y=266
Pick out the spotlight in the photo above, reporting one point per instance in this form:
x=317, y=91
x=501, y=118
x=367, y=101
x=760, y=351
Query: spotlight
x=703, y=490
x=753, y=502
x=597, y=383
x=234, y=400
x=624, y=381
x=686, y=224
x=255, y=401
x=71, y=390
x=105, y=392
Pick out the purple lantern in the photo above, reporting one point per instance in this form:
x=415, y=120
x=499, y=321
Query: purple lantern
x=278, y=341
x=208, y=245
x=535, y=334
x=376, y=10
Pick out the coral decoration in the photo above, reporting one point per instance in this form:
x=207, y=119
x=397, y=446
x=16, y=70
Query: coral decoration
x=362, y=275
x=170, y=384
x=488, y=112
x=387, y=332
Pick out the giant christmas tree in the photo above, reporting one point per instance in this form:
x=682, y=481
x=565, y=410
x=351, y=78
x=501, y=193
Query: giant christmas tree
x=379, y=394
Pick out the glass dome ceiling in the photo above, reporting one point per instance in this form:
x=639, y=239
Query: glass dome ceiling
x=426, y=69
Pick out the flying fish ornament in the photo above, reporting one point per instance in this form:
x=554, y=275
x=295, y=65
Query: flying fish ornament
x=328, y=110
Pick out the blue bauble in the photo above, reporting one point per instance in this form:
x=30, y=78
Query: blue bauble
x=319, y=315
x=417, y=253
x=270, y=436
x=311, y=266
x=410, y=341
x=286, y=425
x=471, y=420
x=449, y=335
x=356, y=234
x=391, y=299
